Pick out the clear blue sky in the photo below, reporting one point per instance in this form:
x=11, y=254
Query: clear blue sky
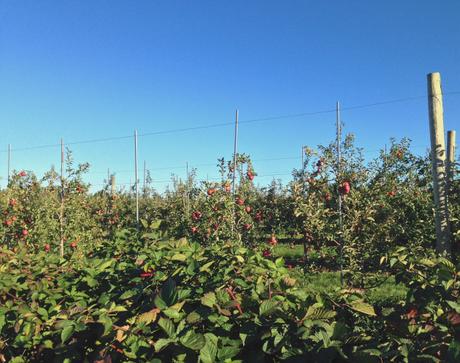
x=90, y=69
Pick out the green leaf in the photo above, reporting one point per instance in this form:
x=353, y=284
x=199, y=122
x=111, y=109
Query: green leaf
x=168, y=327
x=159, y=303
x=103, y=266
x=192, y=340
x=227, y=353
x=363, y=307
x=209, y=299
x=179, y=257
x=267, y=307
x=453, y=353
x=315, y=313
x=66, y=333
x=161, y=343
x=147, y=317
x=206, y=266
x=127, y=294
x=209, y=352
x=169, y=292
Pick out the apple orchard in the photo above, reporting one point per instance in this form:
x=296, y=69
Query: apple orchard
x=229, y=271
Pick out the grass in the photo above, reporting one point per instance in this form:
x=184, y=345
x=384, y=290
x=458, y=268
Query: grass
x=388, y=292
x=288, y=251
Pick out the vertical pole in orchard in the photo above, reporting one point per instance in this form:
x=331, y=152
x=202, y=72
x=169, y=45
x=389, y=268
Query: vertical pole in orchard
x=303, y=155
x=112, y=184
x=144, y=184
x=108, y=176
x=235, y=152
x=187, y=190
x=450, y=157
x=438, y=162
x=385, y=163
x=235, y=168
x=136, y=176
x=9, y=163
x=338, y=180
x=61, y=214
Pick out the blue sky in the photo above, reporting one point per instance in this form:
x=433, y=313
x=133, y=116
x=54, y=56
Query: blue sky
x=94, y=69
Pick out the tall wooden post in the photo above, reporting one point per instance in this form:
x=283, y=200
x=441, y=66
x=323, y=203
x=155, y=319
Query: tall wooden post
x=438, y=161
x=112, y=185
x=450, y=157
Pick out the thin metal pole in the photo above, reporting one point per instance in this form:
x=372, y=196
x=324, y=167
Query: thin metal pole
x=144, y=181
x=338, y=180
x=303, y=153
x=108, y=176
x=136, y=176
x=385, y=162
x=187, y=190
x=9, y=163
x=61, y=215
x=235, y=151
x=450, y=158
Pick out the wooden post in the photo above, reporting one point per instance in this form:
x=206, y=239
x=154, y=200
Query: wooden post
x=112, y=185
x=61, y=212
x=438, y=161
x=450, y=157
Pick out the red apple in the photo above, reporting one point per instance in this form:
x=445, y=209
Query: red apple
x=272, y=240
x=344, y=188
x=239, y=201
x=196, y=215
x=47, y=247
x=25, y=232
x=248, y=209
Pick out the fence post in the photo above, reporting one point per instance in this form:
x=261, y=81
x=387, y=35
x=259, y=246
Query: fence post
x=112, y=185
x=438, y=162
x=450, y=157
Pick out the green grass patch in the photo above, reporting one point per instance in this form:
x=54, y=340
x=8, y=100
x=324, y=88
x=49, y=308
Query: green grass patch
x=385, y=293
